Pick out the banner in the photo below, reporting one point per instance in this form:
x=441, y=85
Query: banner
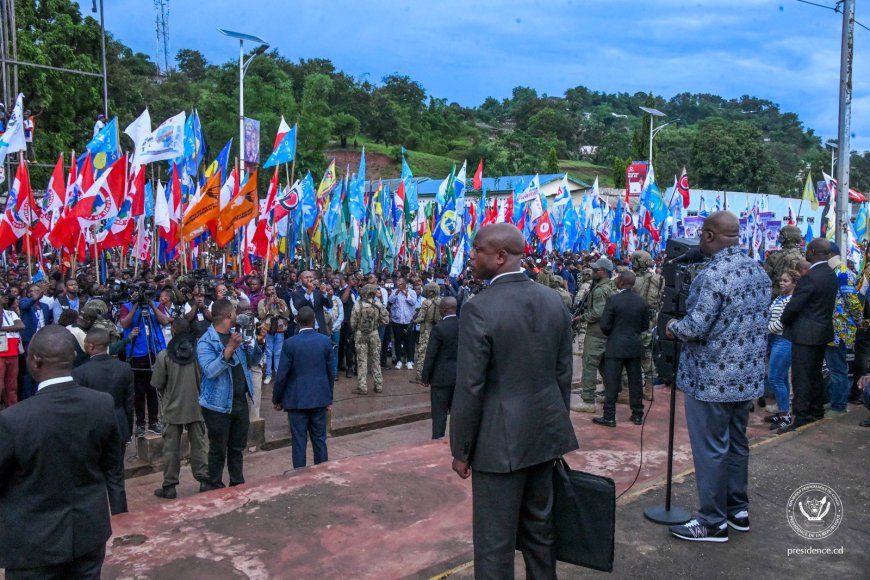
x=771, y=234
x=252, y=141
x=532, y=191
x=692, y=226
x=635, y=177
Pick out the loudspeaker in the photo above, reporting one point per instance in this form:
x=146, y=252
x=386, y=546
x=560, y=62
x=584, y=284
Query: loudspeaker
x=676, y=247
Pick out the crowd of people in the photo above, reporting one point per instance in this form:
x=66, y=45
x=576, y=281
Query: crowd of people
x=191, y=352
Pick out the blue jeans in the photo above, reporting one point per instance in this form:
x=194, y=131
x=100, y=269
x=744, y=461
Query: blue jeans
x=777, y=371
x=838, y=392
x=274, y=342
x=335, y=340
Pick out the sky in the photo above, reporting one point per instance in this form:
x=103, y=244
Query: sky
x=465, y=50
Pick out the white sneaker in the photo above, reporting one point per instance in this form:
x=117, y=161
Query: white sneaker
x=399, y=366
x=267, y=380
x=583, y=408
x=410, y=366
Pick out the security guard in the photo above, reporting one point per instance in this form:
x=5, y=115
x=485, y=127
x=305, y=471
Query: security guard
x=365, y=317
x=596, y=341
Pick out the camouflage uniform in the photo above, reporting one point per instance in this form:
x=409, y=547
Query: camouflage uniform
x=100, y=309
x=595, y=342
x=556, y=284
x=649, y=285
x=365, y=317
x=579, y=327
x=428, y=315
x=785, y=259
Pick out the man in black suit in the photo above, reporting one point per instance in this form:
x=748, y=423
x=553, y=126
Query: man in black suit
x=107, y=374
x=807, y=322
x=625, y=319
x=510, y=408
x=439, y=366
x=57, y=451
x=308, y=294
x=303, y=387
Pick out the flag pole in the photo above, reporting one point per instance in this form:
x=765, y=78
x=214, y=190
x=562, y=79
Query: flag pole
x=32, y=209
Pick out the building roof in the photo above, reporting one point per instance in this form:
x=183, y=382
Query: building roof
x=427, y=186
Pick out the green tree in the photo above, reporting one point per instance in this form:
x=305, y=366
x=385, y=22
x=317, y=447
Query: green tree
x=732, y=156
x=315, y=125
x=552, y=161
x=344, y=126
x=191, y=63
x=618, y=167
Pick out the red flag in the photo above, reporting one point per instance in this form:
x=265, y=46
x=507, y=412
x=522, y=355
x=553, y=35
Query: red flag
x=509, y=209
x=55, y=192
x=11, y=229
x=478, y=177
x=683, y=188
x=544, y=228
x=137, y=190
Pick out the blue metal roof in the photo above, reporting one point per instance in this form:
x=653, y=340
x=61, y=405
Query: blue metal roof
x=428, y=186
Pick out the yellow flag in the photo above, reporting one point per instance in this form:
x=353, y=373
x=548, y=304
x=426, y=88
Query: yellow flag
x=810, y=194
x=427, y=250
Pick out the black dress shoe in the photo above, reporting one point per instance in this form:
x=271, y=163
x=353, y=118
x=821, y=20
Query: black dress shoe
x=637, y=419
x=166, y=492
x=348, y=374
x=603, y=421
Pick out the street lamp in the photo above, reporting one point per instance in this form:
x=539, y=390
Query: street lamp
x=652, y=113
x=834, y=146
x=243, y=67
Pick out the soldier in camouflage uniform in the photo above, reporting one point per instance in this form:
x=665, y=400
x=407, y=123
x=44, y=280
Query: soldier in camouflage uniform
x=365, y=317
x=428, y=315
x=596, y=341
x=780, y=261
x=557, y=284
x=584, y=284
x=649, y=285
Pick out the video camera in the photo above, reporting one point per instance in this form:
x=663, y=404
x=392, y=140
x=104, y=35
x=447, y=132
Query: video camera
x=683, y=261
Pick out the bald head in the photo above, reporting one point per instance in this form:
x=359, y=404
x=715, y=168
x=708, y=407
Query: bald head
x=447, y=306
x=625, y=280
x=818, y=250
x=503, y=237
x=51, y=353
x=721, y=230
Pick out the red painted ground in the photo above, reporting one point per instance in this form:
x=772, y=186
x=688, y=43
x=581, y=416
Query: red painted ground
x=395, y=513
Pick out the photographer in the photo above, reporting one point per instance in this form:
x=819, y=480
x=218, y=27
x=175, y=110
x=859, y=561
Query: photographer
x=143, y=313
x=197, y=311
x=275, y=316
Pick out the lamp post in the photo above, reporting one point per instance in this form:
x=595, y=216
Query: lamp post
x=652, y=113
x=243, y=67
x=834, y=148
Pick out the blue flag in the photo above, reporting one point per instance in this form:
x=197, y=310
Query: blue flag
x=411, y=202
x=285, y=152
x=809, y=237
x=308, y=203
x=220, y=162
x=356, y=195
x=446, y=224
x=194, y=143
x=104, y=147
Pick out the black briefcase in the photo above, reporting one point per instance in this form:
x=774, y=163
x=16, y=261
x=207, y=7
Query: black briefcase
x=584, y=516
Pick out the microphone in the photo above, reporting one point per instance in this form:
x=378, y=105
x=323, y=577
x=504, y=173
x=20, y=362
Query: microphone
x=693, y=255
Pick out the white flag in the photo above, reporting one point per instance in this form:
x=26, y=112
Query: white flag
x=162, y=214
x=138, y=131
x=166, y=142
x=12, y=141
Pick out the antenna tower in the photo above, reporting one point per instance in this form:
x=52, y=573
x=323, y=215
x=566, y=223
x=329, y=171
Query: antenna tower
x=161, y=8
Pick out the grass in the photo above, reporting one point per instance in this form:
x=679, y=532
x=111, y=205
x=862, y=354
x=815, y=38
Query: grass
x=587, y=171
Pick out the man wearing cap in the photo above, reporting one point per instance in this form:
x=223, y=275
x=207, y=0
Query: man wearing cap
x=595, y=342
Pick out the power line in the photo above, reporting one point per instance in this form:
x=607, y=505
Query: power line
x=837, y=9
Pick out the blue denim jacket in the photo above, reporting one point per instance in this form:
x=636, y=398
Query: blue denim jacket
x=216, y=391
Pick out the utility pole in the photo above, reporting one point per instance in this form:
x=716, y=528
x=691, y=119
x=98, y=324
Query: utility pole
x=845, y=118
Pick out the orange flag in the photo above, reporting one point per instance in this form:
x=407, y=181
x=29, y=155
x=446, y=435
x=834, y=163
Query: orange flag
x=203, y=208
x=240, y=210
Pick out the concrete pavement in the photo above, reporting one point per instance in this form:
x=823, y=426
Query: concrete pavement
x=397, y=510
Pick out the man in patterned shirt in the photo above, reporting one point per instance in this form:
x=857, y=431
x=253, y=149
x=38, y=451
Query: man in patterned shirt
x=721, y=371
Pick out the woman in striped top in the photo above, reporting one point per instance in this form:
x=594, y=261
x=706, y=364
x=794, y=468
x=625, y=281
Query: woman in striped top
x=780, y=352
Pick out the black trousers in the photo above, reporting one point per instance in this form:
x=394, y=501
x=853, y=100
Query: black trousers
x=346, y=347
x=859, y=365
x=227, y=437
x=806, y=373
x=143, y=391
x=385, y=343
x=403, y=342
x=442, y=399
x=514, y=511
x=86, y=567
x=613, y=368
